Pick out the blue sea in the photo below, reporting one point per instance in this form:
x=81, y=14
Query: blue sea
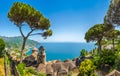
x=63, y=51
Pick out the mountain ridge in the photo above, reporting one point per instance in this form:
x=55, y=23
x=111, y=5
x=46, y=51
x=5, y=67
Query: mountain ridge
x=16, y=42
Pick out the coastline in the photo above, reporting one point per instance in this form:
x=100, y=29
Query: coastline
x=63, y=51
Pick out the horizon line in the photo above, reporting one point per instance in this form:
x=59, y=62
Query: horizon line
x=64, y=42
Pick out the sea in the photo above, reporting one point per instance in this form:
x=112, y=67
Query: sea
x=63, y=51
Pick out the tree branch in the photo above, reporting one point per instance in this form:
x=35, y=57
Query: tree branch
x=30, y=33
x=20, y=28
x=36, y=34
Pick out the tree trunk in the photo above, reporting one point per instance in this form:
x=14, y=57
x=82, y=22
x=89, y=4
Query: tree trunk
x=99, y=46
x=24, y=41
x=5, y=64
x=22, y=49
x=113, y=43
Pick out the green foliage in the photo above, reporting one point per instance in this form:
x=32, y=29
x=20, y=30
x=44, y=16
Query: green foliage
x=113, y=16
x=97, y=32
x=7, y=64
x=7, y=59
x=86, y=68
x=117, y=61
x=32, y=71
x=95, y=51
x=2, y=46
x=109, y=57
x=105, y=57
x=47, y=33
x=23, y=13
x=93, y=33
x=28, y=71
x=83, y=52
x=112, y=34
x=96, y=61
x=41, y=74
x=16, y=42
x=21, y=69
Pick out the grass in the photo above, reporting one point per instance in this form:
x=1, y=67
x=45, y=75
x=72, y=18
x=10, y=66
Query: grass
x=2, y=68
x=2, y=72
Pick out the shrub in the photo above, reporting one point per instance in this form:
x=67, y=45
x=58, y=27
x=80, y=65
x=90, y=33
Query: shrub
x=32, y=71
x=21, y=69
x=117, y=61
x=41, y=74
x=86, y=68
x=106, y=57
x=2, y=46
x=28, y=71
x=96, y=61
x=83, y=52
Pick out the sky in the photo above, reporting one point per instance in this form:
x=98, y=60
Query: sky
x=70, y=19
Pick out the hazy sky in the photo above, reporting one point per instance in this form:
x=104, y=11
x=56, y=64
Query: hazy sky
x=70, y=19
